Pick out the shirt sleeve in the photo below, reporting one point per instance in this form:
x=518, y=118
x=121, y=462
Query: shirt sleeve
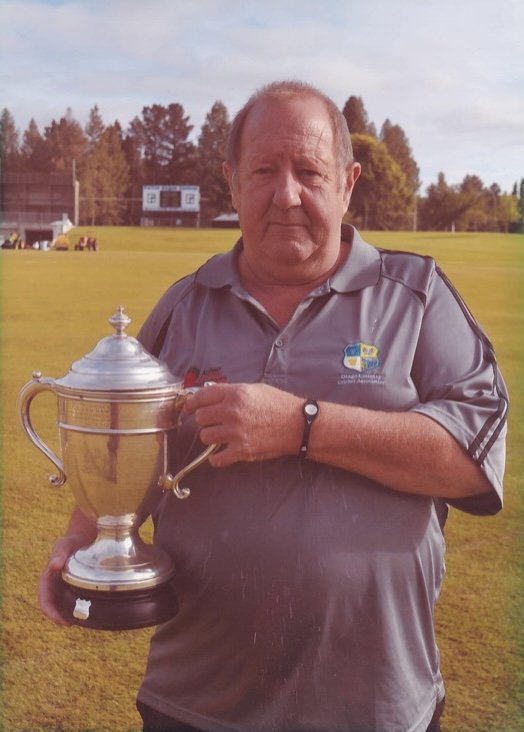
x=153, y=332
x=460, y=387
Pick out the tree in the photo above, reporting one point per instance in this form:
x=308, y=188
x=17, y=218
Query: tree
x=162, y=137
x=33, y=153
x=214, y=190
x=105, y=180
x=381, y=198
x=65, y=143
x=357, y=117
x=9, y=141
x=508, y=212
x=131, y=149
x=94, y=127
x=394, y=138
x=469, y=206
x=471, y=199
x=439, y=210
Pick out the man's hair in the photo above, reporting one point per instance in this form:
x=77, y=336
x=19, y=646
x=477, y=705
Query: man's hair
x=288, y=89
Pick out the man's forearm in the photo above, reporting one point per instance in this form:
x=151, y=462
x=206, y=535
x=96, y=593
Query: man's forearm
x=405, y=451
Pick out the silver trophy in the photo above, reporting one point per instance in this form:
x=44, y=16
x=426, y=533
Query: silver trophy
x=118, y=409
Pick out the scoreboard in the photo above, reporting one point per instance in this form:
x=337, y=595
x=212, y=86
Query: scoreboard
x=171, y=198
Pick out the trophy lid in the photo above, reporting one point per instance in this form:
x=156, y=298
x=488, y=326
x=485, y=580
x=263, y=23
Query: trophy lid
x=118, y=363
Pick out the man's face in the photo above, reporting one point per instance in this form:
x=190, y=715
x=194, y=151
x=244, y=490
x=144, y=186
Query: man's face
x=289, y=191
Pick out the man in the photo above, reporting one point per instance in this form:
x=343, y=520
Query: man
x=355, y=398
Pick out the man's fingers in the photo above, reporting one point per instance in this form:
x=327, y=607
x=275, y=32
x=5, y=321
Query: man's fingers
x=204, y=397
x=50, y=580
x=47, y=594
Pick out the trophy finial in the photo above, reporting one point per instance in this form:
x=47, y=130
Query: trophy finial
x=120, y=321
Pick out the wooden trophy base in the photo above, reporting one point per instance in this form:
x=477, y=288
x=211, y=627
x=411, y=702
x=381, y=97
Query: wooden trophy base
x=117, y=610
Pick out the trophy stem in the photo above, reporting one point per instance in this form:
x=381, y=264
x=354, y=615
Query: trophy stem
x=118, y=560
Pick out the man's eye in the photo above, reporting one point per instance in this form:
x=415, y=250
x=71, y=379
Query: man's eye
x=311, y=173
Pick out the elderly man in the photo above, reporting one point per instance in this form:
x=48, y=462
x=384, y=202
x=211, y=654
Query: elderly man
x=355, y=399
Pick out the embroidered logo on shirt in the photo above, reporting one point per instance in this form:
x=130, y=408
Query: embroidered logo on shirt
x=195, y=377
x=361, y=357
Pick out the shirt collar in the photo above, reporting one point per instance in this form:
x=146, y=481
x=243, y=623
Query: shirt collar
x=360, y=269
x=362, y=266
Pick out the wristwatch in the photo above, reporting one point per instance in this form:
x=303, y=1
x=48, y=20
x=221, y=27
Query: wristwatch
x=310, y=410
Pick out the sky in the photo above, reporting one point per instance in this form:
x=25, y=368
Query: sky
x=449, y=72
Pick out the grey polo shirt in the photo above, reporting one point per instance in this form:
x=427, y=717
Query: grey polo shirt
x=307, y=592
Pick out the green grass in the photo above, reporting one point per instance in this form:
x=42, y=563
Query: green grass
x=55, y=307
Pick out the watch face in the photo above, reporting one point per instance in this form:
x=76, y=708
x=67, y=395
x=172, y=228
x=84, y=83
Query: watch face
x=311, y=409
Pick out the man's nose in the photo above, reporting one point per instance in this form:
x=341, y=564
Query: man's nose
x=287, y=191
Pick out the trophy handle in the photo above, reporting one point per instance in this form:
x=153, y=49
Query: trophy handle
x=26, y=396
x=172, y=482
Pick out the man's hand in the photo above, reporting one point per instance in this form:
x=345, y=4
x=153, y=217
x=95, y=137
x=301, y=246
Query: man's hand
x=405, y=451
x=251, y=421
x=50, y=579
x=82, y=531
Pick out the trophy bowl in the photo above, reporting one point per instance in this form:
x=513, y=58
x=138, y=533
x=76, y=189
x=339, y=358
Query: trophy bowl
x=118, y=408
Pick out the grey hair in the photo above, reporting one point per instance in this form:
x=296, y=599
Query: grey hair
x=288, y=89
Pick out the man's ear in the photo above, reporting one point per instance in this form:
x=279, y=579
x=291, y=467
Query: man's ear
x=353, y=174
x=229, y=175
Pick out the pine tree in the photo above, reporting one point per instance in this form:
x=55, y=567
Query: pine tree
x=382, y=198
x=104, y=186
x=135, y=163
x=471, y=196
x=33, y=152
x=214, y=190
x=66, y=143
x=9, y=141
x=94, y=127
x=162, y=137
x=442, y=206
x=357, y=117
x=394, y=138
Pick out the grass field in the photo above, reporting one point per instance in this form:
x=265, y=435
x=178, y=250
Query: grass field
x=55, y=307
